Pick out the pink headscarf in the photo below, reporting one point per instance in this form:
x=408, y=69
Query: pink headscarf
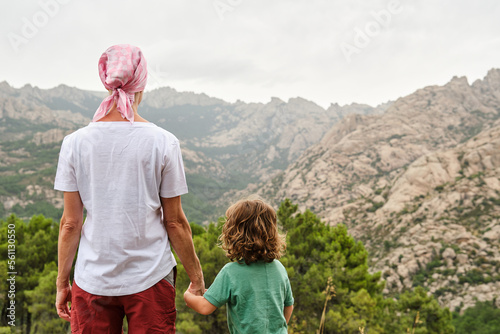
x=123, y=70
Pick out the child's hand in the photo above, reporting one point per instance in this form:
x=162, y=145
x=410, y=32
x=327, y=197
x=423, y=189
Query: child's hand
x=197, y=302
x=188, y=292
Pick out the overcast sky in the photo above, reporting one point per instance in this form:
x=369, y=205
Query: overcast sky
x=326, y=51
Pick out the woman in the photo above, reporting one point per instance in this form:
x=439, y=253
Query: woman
x=128, y=174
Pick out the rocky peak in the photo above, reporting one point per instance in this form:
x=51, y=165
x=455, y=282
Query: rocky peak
x=166, y=97
x=275, y=101
x=298, y=103
x=5, y=89
x=349, y=124
x=488, y=89
x=458, y=82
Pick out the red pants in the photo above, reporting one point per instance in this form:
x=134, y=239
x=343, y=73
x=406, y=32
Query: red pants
x=149, y=311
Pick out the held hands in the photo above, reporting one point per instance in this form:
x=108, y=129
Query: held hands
x=191, y=294
x=196, y=289
x=196, y=301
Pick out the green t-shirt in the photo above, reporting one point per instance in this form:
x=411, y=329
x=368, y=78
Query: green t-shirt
x=256, y=295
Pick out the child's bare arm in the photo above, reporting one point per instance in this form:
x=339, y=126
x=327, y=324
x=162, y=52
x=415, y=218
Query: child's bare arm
x=198, y=303
x=288, y=312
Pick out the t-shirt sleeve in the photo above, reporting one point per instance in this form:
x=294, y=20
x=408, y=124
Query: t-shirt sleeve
x=219, y=292
x=65, y=176
x=173, y=179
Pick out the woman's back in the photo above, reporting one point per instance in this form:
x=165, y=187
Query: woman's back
x=120, y=170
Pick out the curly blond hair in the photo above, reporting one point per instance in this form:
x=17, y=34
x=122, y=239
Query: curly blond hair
x=251, y=232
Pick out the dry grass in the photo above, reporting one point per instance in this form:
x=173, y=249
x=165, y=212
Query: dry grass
x=330, y=293
x=415, y=323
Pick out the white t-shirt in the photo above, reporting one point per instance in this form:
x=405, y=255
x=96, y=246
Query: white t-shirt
x=120, y=170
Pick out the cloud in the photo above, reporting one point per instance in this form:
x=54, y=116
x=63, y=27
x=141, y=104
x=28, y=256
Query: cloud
x=260, y=48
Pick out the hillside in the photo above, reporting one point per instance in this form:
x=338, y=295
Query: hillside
x=225, y=146
x=446, y=234
x=31, y=134
x=418, y=185
x=366, y=152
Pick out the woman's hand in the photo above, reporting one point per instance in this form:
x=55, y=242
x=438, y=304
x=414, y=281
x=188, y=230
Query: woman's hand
x=196, y=289
x=63, y=297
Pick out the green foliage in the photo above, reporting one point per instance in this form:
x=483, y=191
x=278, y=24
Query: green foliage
x=441, y=291
x=484, y=318
x=425, y=272
x=196, y=208
x=434, y=263
x=204, y=190
x=196, y=229
x=15, y=126
x=315, y=252
x=36, y=255
x=474, y=276
x=40, y=160
x=40, y=207
x=31, y=164
x=10, y=184
x=432, y=318
x=41, y=304
x=375, y=206
x=440, y=188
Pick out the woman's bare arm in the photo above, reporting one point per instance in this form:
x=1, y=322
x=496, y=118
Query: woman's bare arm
x=179, y=234
x=69, y=237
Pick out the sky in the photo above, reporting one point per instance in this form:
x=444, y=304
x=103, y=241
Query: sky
x=326, y=51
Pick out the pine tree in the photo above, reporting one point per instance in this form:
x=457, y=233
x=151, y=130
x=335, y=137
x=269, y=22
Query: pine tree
x=36, y=246
x=315, y=252
x=483, y=318
x=41, y=300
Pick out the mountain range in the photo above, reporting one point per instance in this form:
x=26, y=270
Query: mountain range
x=416, y=179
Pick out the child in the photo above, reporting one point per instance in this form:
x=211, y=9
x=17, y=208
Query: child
x=255, y=288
